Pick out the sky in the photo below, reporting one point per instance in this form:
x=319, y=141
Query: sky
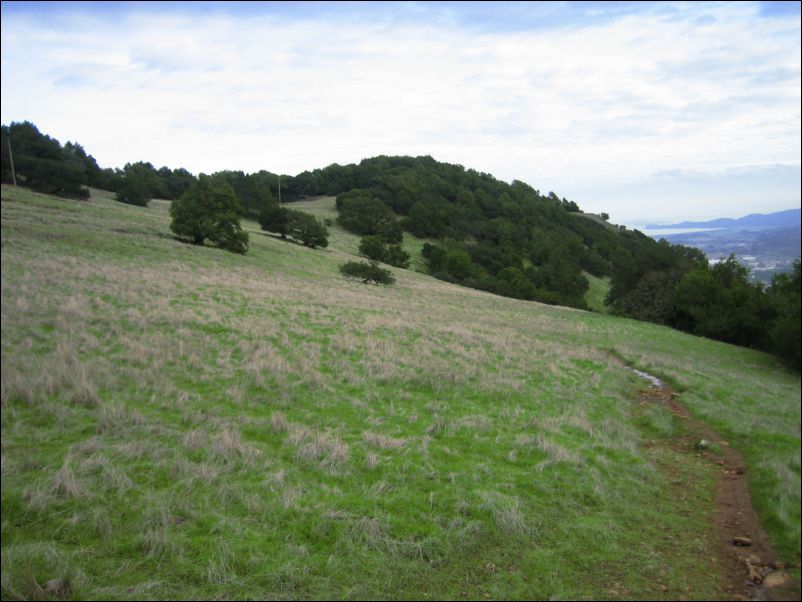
x=655, y=111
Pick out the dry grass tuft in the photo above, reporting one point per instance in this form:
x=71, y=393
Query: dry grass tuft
x=220, y=567
x=473, y=423
x=438, y=426
x=64, y=484
x=15, y=386
x=200, y=472
x=556, y=453
x=276, y=479
x=84, y=392
x=383, y=441
x=36, y=499
x=265, y=361
x=372, y=461
x=279, y=422
x=290, y=495
x=117, y=419
x=195, y=439
x=156, y=526
x=507, y=513
x=324, y=449
x=134, y=450
x=369, y=532
x=109, y=477
x=230, y=447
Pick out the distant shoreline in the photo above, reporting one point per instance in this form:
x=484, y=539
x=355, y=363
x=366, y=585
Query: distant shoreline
x=670, y=231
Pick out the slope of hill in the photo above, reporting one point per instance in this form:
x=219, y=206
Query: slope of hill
x=182, y=422
x=507, y=239
x=483, y=233
x=504, y=238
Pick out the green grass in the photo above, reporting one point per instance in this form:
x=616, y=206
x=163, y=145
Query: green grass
x=183, y=422
x=599, y=287
x=596, y=217
x=323, y=208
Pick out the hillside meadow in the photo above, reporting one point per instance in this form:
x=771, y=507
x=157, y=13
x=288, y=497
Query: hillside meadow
x=182, y=422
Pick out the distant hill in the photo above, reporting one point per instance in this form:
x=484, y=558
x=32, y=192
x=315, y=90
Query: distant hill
x=504, y=238
x=753, y=220
x=780, y=240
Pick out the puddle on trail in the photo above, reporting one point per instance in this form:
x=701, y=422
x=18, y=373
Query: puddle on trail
x=655, y=382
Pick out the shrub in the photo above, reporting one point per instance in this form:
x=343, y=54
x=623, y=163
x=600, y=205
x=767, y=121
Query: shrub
x=396, y=256
x=372, y=247
x=367, y=272
x=301, y=226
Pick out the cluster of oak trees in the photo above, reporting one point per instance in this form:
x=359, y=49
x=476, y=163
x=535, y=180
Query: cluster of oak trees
x=43, y=164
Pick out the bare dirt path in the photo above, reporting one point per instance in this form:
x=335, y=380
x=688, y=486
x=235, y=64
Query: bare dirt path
x=754, y=571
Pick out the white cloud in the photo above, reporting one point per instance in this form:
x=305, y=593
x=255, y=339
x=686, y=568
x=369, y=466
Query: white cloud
x=585, y=108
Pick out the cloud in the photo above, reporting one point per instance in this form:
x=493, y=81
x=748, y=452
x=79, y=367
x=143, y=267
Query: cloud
x=674, y=194
x=556, y=95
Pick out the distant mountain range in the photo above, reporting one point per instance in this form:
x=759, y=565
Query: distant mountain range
x=779, y=219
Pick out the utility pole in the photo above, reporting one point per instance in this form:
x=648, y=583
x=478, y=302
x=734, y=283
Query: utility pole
x=279, y=191
x=11, y=157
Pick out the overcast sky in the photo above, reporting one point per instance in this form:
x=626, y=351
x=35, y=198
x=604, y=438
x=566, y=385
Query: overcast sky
x=653, y=111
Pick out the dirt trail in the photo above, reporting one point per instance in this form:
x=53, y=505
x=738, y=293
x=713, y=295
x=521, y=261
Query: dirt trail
x=754, y=570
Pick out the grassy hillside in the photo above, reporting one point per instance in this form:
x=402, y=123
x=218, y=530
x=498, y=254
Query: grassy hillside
x=324, y=208
x=597, y=291
x=182, y=422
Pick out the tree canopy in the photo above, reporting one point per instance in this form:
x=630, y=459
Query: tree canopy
x=363, y=213
x=367, y=272
x=209, y=210
x=41, y=163
x=300, y=226
x=374, y=247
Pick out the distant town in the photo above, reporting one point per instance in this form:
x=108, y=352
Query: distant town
x=765, y=243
